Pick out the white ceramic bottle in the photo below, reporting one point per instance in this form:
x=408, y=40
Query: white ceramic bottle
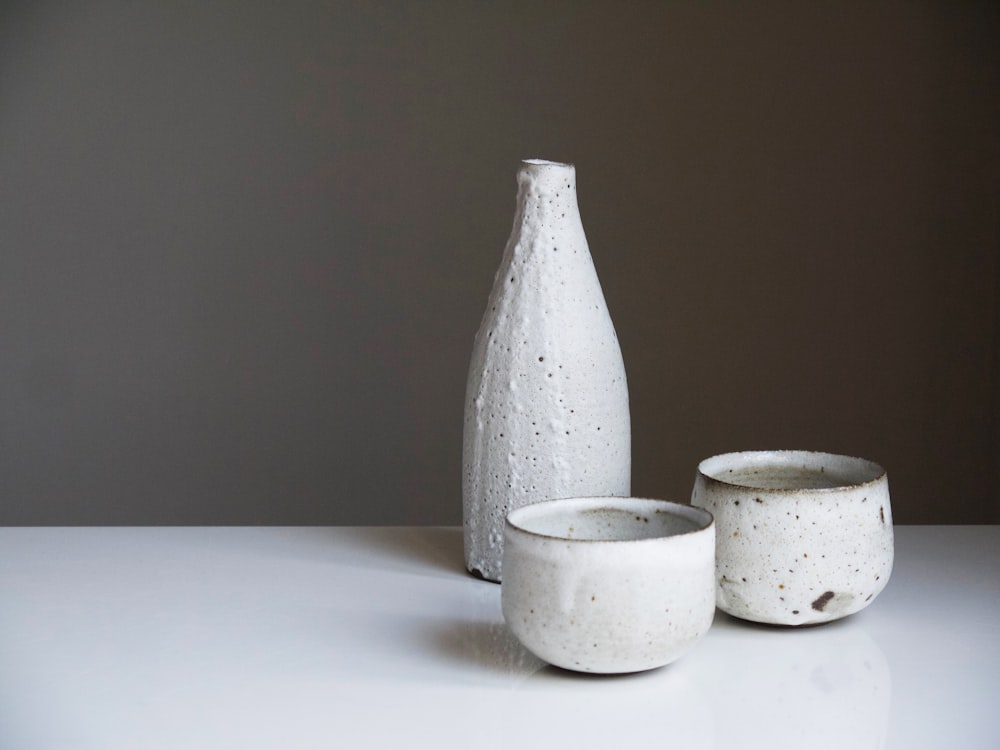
x=546, y=403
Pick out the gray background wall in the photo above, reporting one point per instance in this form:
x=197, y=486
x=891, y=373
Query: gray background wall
x=244, y=246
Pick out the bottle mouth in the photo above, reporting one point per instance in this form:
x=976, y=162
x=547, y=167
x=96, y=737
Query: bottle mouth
x=545, y=163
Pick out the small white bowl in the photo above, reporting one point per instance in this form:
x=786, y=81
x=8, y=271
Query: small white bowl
x=608, y=584
x=801, y=537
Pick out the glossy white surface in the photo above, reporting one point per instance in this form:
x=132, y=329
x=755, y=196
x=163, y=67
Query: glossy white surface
x=334, y=637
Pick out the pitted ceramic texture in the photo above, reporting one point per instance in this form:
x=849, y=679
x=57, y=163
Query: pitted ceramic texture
x=546, y=409
x=609, y=585
x=802, y=537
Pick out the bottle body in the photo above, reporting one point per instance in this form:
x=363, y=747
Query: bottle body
x=546, y=403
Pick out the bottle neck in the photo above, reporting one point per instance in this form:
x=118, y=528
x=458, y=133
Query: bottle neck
x=547, y=194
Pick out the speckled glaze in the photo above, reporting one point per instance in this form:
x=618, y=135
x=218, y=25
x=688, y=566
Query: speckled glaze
x=801, y=537
x=609, y=584
x=546, y=403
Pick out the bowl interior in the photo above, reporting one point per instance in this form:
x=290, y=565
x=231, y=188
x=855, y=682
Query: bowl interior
x=616, y=519
x=790, y=470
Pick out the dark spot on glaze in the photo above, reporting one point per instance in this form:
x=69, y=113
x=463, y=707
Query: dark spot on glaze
x=881, y=512
x=758, y=500
x=795, y=611
x=822, y=601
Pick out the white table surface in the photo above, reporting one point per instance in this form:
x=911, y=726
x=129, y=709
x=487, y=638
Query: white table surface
x=376, y=637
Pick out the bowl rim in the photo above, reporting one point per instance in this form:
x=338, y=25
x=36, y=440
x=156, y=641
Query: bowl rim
x=702, y=518
x=878, y=472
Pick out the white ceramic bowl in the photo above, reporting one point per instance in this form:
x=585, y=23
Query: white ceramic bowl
x=608, y=584
x=801, y=537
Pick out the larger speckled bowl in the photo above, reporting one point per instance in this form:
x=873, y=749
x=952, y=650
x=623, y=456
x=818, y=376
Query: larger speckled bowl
x=801, y=537
x=608, y=584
